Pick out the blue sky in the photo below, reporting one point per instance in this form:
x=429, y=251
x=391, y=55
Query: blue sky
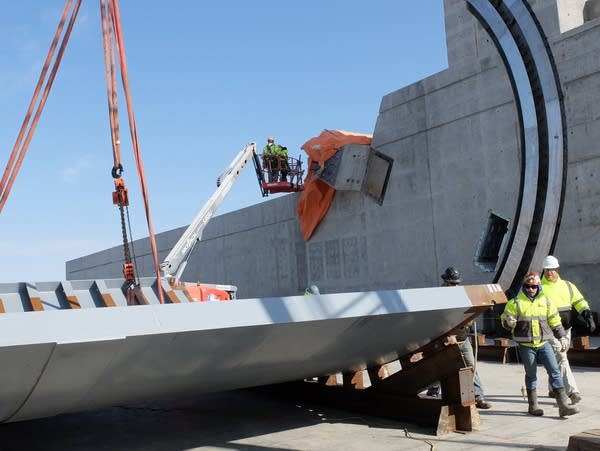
x=206, y=78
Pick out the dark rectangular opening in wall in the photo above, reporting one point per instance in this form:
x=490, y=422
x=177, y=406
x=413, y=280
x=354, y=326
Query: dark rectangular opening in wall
x=490, y=243
x=379, y=168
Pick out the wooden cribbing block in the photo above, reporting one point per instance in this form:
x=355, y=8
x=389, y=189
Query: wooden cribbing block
x=585, y=441
x=581, y=343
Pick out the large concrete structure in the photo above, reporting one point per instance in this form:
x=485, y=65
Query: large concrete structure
x=465, y=188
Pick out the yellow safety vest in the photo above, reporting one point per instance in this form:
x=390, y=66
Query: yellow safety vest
x=564, y=294
x=535, y=319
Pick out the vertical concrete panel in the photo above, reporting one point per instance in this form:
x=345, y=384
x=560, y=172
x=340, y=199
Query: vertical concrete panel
x=316, y=261
x=578, y=60
x=333, y=261
x=353, y=252
x=570, y=14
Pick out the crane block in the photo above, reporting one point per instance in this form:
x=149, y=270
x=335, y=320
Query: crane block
x=128, y=271
x=119, y=195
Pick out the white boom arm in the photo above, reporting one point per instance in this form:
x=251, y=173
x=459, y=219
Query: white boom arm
x=175, y=263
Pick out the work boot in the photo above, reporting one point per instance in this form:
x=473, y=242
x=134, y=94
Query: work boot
x=481, y=403
x=575, y=397
x=434, y=391
x=551, y=393
x=533, y=405
x=564, y=409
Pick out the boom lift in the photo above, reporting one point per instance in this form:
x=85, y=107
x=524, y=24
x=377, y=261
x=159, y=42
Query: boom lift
x=175, y=262
x=279, y=174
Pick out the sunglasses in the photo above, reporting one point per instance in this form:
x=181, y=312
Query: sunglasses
x=530, y=287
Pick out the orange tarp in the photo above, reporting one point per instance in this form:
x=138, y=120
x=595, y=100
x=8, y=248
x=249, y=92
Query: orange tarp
x=317, y=195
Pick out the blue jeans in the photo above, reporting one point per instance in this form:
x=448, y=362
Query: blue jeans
x=466, y=350
x=544, y=355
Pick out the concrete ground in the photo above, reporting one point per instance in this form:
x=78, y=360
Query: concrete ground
x=254, y=420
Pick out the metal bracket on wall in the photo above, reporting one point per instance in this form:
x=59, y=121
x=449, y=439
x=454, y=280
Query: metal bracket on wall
x=358, y=167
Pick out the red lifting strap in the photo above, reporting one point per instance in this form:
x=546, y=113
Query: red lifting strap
x=113, y=8
x=20, y=148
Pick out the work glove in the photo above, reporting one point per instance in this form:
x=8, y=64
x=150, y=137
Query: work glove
x=510, y=321
x=589, y=320
x=564, y=344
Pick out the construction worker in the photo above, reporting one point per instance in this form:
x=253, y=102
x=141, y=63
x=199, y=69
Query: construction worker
x=313, y=289
x=566, y=297
x=275, y=158
x=534, y=320
x=451, y=278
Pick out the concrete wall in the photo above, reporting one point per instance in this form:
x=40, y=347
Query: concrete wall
x=578, y=245
x=455, y=141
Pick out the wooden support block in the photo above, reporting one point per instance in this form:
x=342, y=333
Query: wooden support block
x=172, y=296
x=73, y=302
x=458, y=411
x=330, y=381
x=397, y=397
x=458, y=388
x=378, y=373
x=504, y=342
x=581, y=343
x=36, y=304
x=584, y=357
x=354, y=380
x=480, y=340
x=491, y=353
x=410, y=381
x=136, y=297
x=585, y=441
x=108, y=300
x=458, y=418
x=408, y=360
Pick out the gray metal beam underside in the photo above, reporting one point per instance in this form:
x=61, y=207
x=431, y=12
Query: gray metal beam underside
x=66, y=360
x=536, y=86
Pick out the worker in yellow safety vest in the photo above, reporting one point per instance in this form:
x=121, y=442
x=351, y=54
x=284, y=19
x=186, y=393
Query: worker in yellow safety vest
x=567, y=298
x=534, y=320
x=276, y=156
x=313, y=289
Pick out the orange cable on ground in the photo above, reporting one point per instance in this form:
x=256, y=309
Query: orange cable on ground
x=20, y=148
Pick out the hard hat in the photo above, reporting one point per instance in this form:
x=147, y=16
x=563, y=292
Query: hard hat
x=452, y=275
x=313, y=289
x=531, y=278
x=550, y=262
x=270, y=139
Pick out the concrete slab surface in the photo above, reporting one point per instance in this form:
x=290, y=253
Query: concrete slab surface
x=255, y=420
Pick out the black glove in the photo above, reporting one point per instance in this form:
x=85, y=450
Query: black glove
x=589, y=320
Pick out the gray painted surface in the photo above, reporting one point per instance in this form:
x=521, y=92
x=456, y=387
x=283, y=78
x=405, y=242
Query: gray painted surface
x=454, y=137
x=64, y=360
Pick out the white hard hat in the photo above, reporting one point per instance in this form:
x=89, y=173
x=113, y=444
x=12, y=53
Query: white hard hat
x=550, y=262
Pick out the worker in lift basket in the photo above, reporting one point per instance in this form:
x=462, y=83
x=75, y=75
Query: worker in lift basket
x=275, y=158
x=534, y=320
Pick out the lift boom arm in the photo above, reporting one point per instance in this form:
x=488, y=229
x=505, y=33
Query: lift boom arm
x=175, y=263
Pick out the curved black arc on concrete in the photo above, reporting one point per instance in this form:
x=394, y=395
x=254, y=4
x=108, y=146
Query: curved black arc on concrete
x=530, y=66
